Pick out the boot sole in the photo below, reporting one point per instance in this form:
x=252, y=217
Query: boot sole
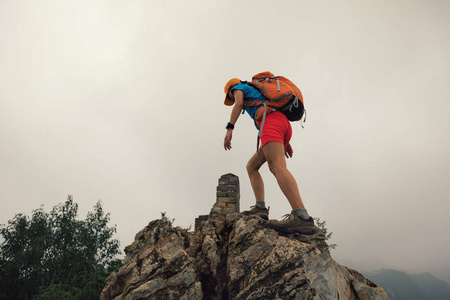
x=301, y=230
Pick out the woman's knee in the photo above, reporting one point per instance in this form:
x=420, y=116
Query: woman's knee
x=252, y=167
x=275, y=168
x=272, y=168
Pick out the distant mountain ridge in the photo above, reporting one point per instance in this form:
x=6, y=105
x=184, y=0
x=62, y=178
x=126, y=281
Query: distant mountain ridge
x=400, y=285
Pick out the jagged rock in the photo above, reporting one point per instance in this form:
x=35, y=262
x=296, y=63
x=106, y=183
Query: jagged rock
x=233, y=257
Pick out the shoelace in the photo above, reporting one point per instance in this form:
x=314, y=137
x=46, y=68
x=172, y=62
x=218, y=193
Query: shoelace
x=287, y=217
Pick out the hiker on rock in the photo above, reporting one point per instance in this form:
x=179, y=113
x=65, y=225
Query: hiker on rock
x=274, y=137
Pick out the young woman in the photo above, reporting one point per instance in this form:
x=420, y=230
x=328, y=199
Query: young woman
x=275, y=137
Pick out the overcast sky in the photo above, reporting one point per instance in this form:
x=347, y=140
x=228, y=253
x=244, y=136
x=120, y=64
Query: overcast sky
x=123, y=101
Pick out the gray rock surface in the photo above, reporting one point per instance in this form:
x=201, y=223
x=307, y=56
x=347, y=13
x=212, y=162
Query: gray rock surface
x=233, y=257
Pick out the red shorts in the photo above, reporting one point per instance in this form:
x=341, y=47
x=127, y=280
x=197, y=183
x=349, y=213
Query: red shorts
x=277, y=128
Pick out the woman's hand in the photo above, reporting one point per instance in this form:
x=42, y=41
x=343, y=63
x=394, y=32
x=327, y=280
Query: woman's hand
x=288, y=151
x=227, y=140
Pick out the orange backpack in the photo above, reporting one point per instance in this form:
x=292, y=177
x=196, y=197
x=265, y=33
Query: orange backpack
x=281, y=95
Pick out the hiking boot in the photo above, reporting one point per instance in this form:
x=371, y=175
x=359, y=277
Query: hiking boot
x=293, y=223
x=256, y=211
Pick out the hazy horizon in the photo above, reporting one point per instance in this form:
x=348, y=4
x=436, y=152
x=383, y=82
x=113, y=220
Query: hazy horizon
x=123, y=101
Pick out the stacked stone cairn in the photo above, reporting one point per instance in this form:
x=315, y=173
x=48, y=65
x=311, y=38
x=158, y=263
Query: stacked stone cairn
x=227, y=198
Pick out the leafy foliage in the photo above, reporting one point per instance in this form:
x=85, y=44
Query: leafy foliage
x=55, y=256
x=322, y=226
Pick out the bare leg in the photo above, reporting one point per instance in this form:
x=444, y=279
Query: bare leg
x=256, y=180
x=274, y=154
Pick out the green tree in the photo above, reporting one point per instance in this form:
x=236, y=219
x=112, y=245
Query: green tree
x=55, y=256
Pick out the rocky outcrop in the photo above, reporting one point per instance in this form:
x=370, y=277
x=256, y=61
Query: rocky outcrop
x=232, y=256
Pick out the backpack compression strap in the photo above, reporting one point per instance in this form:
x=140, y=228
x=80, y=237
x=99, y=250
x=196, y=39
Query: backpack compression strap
x=253, y=102
x=267, y=79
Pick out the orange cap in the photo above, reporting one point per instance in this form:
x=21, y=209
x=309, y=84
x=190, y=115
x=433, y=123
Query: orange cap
x=232, y=82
